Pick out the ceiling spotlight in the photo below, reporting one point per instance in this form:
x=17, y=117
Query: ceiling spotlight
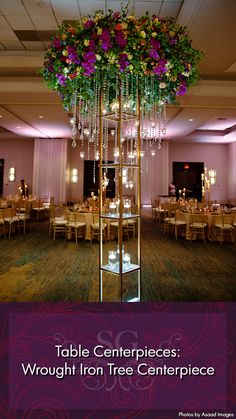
x=153, y=153
x=0, y=116
x=41, y=116
x=18, y=127
x=191, y=119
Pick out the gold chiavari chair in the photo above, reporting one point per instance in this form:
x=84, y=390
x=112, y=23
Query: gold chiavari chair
x=114, y=227
x=95, y=234
x=198, y=226
x=58, y=220
x=24, y=216
x=75, y=225
x=2, y=226
x=225, y=228
x=179, y=224
x=38, y=208
x=10, y=219
x=167, y=218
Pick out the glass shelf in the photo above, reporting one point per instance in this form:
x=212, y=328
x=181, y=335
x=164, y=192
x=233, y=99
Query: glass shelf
x=117, y=165
x=118, y=217
x=115, y=270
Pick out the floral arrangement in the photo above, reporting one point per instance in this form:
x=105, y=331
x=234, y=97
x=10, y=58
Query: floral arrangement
x=121, y=44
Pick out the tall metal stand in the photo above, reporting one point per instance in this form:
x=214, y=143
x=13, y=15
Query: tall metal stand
x=115, y=263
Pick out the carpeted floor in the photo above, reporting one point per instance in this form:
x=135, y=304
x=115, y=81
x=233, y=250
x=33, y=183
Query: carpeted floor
x=36, y=268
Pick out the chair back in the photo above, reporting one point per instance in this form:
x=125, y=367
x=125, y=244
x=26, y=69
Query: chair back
x=198, y=217
x=80, y=217
x=37, y=204
x=2, y=215
x=58, y=212
x=10, y=213
x=95, y=217
x=227, y=219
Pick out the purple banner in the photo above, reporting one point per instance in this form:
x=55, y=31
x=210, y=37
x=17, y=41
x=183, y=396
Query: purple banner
x=172, y=359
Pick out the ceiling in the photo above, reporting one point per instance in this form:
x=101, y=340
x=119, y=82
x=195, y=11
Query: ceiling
x=207, y=113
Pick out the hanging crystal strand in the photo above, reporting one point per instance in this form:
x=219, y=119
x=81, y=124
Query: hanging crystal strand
x=104, y=111
x=93, y=129
x=126, y=104
x=116, y=99
x=121, y=128
x=82, y=153
x=106, y=144
x=159, y=124
x=73, y=119
x=164, y=119
x=152, y=106
x=96, y=106
x=88, y=155
x=127, y=150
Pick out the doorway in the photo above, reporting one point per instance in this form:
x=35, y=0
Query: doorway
x=91, y=179
x=188, y=175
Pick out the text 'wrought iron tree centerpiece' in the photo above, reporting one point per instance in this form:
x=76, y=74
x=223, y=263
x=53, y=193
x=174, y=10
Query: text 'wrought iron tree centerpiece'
x=116, y=73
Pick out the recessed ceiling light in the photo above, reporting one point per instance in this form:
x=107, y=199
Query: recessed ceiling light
x=18, y=127
x=191, y=119
x=41, y=116
x=0, y=116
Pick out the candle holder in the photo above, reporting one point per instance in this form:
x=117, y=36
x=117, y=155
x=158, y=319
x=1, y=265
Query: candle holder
x=127, y=206
x=126, y=260
x=118, y=251
x=112, y=258
x=112, y=208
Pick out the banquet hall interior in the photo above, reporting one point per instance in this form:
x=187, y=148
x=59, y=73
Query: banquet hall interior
x=188, y=176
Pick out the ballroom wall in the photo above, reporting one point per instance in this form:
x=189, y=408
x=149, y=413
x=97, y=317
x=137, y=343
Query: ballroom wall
x=156, y=171
x=18, y=153
x=214, y=156
x=232, y=170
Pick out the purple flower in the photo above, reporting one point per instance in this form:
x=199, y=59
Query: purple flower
x=160, y=68
x=182, y=89
x=155, y=44
x=72, y=55
x=88, y=63
x=123, y=61
x=61, y=79
x=120, y=39
x=173, y=41
x=56, y=43
x=154, y=54
x=90, y=57
x=50, y=68
x=105, y=38
x=88, y=24
x=89, y=68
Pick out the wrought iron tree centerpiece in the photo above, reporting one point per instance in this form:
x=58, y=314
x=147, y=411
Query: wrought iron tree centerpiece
x=115, y=74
